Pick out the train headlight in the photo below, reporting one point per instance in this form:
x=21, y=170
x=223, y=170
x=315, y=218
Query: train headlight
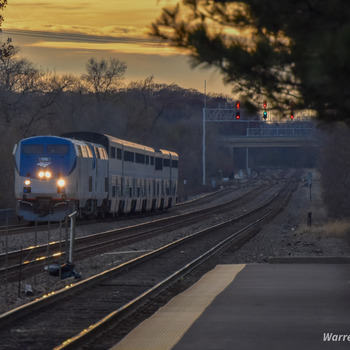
x=27, y=182
x=48, y=174
x=60, y=186
x=41, y=174
x=61, y=183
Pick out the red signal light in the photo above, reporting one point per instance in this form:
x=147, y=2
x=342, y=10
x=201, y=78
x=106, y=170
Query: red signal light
x=238, y=115
x=237, y=104
x=265, y=104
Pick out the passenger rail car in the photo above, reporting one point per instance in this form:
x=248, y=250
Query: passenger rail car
x=93, y=174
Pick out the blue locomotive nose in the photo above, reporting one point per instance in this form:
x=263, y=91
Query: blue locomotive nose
x=46, y=157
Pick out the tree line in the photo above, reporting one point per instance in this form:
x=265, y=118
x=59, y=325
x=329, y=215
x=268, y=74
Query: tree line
x=294, y=55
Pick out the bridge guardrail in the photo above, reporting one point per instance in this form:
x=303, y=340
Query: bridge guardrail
x=277, y=132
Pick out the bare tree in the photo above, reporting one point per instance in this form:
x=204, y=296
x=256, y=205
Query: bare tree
x=2, y=6
x=104, y=76
x=28, y=95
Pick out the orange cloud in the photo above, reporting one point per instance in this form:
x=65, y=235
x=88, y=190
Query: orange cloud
x=145, y=48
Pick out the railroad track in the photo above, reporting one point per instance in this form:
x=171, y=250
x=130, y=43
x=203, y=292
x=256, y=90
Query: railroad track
x=43, y=226
x=30, y=260
x=91, y=306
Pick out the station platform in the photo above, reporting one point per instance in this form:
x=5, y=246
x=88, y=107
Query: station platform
x=254, y=306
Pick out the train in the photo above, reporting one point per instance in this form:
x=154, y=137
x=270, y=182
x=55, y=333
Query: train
x=92, y=174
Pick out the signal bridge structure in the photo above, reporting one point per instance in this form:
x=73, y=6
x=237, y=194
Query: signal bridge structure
x=253, y=131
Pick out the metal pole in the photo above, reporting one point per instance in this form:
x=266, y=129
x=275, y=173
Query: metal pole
x=35, y=242
x=6, y=258
x=60, y=248
x=48, y=241
x=247, y=159
x=204, y=115
x=66, y=254
x=4, y=213
x=72, y=235
x=204, y=110
x=20, y=273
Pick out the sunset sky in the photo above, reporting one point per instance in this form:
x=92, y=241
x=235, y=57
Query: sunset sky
x=62, y=35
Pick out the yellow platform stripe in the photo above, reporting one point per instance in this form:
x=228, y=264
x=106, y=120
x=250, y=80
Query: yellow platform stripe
x=167, y=326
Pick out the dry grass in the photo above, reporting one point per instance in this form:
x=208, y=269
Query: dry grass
x=322, y=226
x=328, y=229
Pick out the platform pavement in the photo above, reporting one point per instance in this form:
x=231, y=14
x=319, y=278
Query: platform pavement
x=255, y=306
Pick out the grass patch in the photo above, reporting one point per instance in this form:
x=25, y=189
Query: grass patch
x=331, y=229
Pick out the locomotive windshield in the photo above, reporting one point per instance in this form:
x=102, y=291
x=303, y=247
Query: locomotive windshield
x=45, y=152
x=32, y=149
x=57, y=149
x=50, y=149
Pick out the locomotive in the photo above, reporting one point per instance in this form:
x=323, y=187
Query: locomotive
x=93, y=174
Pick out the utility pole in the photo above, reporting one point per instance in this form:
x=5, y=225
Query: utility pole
x=204, y=116
x=226, y=114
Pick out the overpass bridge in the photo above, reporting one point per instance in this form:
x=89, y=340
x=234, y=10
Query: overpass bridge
x=298, y=134
x=278, y=144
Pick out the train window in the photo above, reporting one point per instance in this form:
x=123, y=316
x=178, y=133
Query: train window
x=159, y=164
x=32, y=149
x=113, y=191
x=97, y=153
x=113, y=152
x=103, y=153
x=57, y=149
x=129, y=156
x=166, y=163
x=79, y=151
x=152, y=160
x=89, y=151
x=147, y=159
x=119, y=153
x=84, y=151
x=174, y=163
x=140, y=158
